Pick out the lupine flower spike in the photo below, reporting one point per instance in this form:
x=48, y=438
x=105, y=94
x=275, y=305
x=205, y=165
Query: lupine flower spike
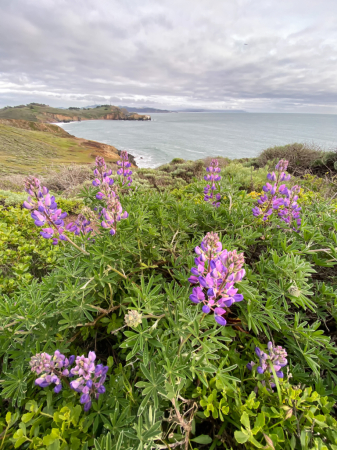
x=44, y=212
x=215, y=273
x=278, y=198
x=51, y=369
x=124, y=172
x=113, y=211
x=276, y=358
x=210, y=190
x=90, y=377
x=81, y=225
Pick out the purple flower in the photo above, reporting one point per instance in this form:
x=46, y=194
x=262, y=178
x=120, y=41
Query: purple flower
x=216, y=272
x=44, y=211
x=50, y=369
x=91, y=378
x=279, y=198
x=212, y=176
x=81, y=225
x=124, y=172
x=275, y=358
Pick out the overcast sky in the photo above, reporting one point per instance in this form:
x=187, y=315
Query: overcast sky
x=171, y=53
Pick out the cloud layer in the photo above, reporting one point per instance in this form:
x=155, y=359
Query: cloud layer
x=171, y=53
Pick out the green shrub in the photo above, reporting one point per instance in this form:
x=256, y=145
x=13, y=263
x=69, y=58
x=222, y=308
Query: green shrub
x=24, y=254
x=301, y=157
x=12, y=198
x=70, y=205
x=177, y=378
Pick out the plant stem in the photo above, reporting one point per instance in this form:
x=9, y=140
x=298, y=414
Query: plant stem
x=76, y=246
x=215, y=442
x=277, y=383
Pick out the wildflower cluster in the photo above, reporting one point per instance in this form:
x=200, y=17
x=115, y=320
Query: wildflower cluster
x=212, y=176
x=44, y=210
x=276, y=358
x=52, y=369
x=81, y=225
x=113, y=211
x=216, y=272
x=278, y=198
x=124, y=172
x=90, y=379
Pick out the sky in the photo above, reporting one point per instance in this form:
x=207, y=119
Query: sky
x=252, y=55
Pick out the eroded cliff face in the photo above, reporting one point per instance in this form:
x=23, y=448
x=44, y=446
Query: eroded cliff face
x=51, y=118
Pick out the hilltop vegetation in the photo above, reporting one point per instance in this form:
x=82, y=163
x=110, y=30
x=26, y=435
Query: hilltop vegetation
x=173, y=377
x=35, y=112
x=31, y=147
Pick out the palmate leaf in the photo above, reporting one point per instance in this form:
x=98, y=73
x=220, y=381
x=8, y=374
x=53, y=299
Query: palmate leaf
x=152, y=387
x=15, y=386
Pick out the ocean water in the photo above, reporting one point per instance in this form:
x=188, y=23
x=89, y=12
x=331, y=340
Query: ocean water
x=197, y=135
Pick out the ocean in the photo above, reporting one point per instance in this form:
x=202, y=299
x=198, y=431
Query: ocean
x=193, y=136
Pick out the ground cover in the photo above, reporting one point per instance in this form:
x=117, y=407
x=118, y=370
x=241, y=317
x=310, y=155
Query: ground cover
x=24, y=150
x=177, y=378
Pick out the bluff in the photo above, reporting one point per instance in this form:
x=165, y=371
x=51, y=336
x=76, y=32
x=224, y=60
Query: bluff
x=36, y=112
x=31, y=147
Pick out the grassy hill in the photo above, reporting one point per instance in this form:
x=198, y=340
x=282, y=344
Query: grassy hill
x=35, y=112
x=30, y=147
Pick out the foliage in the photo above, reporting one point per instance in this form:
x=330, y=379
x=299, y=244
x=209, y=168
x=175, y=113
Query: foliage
x=24, y=255
x=70, y=205
x=175, y=376
x=303, y=158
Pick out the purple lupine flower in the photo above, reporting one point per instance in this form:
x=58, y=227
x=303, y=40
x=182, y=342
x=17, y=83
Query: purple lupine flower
x=91, y=379
x=278, y=197
x=50, y=369
x=291, y=210
x=276, y=358
x=216, y=273
x=81, y=225
x=101, y=173
x=212, y=176
x=124, y=172
x=44, y=211
x=113, y=211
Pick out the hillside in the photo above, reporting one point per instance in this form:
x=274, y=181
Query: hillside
x=35, y=112
x=30, y=147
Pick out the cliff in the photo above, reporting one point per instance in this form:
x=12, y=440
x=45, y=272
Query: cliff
x=34, y=112
x=31, y=147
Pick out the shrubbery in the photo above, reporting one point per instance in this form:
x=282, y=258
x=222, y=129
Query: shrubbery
x=303, y=158
x=176, y=378
x=23, y=254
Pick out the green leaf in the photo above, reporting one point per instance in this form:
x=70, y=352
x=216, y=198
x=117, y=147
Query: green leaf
x=27, y=417
x=20, y=441
x=110, y=361
x=241, y=436
x=8, y=417
x=202, y=439
x=259, y=423
x=245, y=420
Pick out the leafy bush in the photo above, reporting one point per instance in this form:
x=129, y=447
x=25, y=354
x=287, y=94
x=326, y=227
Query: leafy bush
x=176, y=378
x=301, y=157
x=70, y=205
x=24, y=255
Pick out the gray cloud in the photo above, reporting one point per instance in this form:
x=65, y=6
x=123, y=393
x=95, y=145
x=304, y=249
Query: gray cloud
x=171, y=53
